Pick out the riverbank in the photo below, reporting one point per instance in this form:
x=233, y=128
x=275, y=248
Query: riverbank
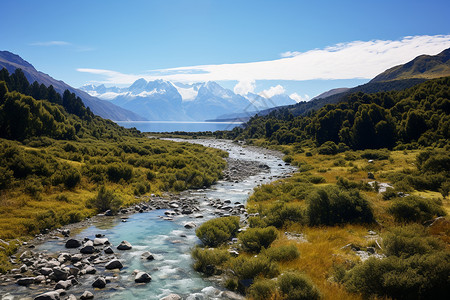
x=164, y=220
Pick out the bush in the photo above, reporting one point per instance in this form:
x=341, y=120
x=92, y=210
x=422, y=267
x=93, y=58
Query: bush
x=288, y=159
x=207, y=260
x=254, y=266
x=105, y=200
x=262, y=289
x=415, y=209
x=328, y=148
x=279, y=214
x=330, y=206
x=295, y=286
x=217, y=231
x=282, y=253
x=119, y=171
x=375, y=154
x=253, y=239
x=141, y=188
x=410, y=240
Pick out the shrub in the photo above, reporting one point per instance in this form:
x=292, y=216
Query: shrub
x=217, y=231
x=410, y=240
x=262, y=289
x=330, y=206
x=105, y=200
x=295, y=286
x=328, y=148
x=375, y=154
x=251, y=267
x=288, y=159
x=389, y=194
x=117, y=171
x=282, y=253
x=141, y=188
x=71, y=177
x=207, y=260
x=151, y=175
x=281, y=213
x=253, y=239
x=415, y=209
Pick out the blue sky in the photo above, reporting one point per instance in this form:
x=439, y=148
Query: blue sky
x=117, y=41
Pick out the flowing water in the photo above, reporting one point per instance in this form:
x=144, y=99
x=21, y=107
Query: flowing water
x=169, y=241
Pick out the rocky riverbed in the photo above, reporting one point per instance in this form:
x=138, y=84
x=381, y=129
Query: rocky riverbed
x=144, y=251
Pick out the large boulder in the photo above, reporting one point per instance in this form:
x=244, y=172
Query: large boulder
x=124, y=245
x=100, y=282
x=72, y=243
x=142, y=277
x=114, y=264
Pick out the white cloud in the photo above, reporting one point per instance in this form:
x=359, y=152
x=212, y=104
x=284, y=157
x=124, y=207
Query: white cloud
x=358, y=59
x=290, y=54
x=51, y=43
x=272, y=91
x=244, y=87
x=299, y=98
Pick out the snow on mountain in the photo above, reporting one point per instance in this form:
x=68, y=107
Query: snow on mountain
x=166, y=101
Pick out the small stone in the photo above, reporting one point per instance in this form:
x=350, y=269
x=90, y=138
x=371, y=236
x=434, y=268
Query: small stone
x=87, y=295
x=124, y=245
x=114, y=264
x=101, y=241
x=89, y=270
x=54, y=295
x=60, y=274
x=100, y=282
x=25, y=281
x=190, y=225
x=72, y=243
x=147, y=255
x=63, y=284
x=142, y=277
x=87, y=250
x=109, y=250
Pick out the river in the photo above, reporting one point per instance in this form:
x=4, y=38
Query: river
x=169, y=241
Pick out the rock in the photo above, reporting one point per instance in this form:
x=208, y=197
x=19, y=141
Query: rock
x=171, y=297
x=60, y=274
x=87, y=250
x=72, y=243
x=76, y=257
x=232, y=296
x=23, y=268
x=109, y=250
x=108, y=213
x=54, y=295
x=65, y=232
x=39, y=279
x=71, y=297
x=89, y=270
x=25, y=281
x=88, y=242
x=45, y=271
x=142, y=277
x=99, y=235
x=124, y=245
x=147, y=255
x=114, y=264
x=63, y=284
x=74, y=271
x=101, y=241
x=87, y=295
x=100, y=282
x=190, y=225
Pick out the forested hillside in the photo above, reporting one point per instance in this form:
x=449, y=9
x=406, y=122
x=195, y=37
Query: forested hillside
x=59, y=163
x=416, y=116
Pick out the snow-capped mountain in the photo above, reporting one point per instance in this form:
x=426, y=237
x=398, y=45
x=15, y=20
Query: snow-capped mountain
x=162, y=100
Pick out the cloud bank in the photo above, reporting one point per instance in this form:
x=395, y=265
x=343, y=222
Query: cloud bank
x=357, y=59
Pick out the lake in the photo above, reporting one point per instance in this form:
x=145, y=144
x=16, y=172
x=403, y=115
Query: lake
x=171, y=126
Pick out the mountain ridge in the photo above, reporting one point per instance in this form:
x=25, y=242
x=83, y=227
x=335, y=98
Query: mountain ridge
x=103, y=108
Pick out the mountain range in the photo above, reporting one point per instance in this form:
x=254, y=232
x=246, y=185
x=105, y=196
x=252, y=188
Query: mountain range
x=167, y=101
x=102, y=108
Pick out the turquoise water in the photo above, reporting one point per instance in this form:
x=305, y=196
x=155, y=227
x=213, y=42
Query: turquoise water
x=171, y=126
x=169, y=241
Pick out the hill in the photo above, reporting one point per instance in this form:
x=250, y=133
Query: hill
x=424, y=67
x=105, y=109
